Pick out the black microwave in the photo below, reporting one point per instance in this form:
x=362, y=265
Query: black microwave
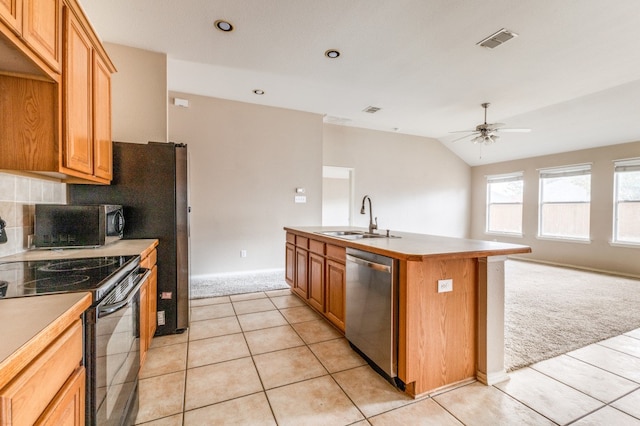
x=65, y=225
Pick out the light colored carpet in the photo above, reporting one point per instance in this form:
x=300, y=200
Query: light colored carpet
x=225, y=285
x=549, y=310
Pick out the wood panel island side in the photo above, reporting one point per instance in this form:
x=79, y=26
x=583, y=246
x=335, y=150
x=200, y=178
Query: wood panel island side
x=443, y=338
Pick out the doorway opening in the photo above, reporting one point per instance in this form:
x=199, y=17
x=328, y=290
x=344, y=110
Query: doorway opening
x=337, y=196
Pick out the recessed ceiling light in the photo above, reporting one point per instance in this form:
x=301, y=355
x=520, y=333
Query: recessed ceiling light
x=332, y=53
x=259, y=92
x=223, y=25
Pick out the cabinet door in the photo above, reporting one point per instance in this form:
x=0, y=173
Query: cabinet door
x=11, y=14
x=67, y=408
x=335, y=300
x=144, y=321
x=153, y=303
x=77, y=132
x=316, y=281
x=42, y=29
x=102, y=144
x=302, y=279
x=290, y=264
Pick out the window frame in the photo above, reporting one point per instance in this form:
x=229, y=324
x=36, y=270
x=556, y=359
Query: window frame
x=558, y=172
x=501, y=178
x=622, y=166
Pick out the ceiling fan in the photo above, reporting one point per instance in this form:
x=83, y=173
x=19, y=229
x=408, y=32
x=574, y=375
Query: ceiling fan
x=486, y=132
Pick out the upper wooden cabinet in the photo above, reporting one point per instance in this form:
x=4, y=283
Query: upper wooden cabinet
x=11, y=14
x=78, y=87
x=41, y=29
x=102, y=145
x=57, y=123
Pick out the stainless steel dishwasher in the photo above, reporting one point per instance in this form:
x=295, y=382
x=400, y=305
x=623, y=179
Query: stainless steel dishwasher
x=372, y=310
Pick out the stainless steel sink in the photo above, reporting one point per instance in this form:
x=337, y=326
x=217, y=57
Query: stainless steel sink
x=354, y=235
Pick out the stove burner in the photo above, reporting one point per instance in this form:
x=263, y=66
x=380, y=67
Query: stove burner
x=55, y=283
x=78, y=265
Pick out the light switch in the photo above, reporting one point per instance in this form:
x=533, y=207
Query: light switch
x=445, y=285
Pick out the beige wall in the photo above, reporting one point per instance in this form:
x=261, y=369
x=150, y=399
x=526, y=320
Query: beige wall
x=245, y=162
x=598, y=254
x=18, y=196
x=138, y=94
x=415, y=184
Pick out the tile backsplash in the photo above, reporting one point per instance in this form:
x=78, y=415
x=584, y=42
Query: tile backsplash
x=18, y=197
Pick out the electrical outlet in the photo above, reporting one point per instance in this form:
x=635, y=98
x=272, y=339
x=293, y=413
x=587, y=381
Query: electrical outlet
x=445, y=285
x=243, y=253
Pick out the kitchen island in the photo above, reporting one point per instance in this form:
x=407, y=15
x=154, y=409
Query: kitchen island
x=443, y=338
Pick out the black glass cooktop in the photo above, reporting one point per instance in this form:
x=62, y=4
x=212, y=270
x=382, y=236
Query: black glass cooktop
x=95, y=274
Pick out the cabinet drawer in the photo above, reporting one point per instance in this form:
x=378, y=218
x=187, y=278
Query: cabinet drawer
x=150, y=260
x=316, y=247
x=337, y=253
x=291, y=238
x=28, y=395
x=302, y=242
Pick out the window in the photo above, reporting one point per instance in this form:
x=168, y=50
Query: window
x=565, y=202
x=626, y=226
x=504, y=203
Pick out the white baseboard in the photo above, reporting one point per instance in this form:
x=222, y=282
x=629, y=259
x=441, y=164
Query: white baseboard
x=492, y=378
x=236, y=273
x=580, y=268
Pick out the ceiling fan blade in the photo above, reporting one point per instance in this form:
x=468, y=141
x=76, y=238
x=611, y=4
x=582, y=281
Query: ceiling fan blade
x=463, y=131
x=463, y=137
x=494, y=126
x=513, y=130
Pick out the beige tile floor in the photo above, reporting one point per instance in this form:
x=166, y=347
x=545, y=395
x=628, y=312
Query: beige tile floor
x=267, y=359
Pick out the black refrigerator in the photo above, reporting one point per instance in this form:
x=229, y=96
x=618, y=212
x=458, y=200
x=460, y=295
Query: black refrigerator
x=150, y=182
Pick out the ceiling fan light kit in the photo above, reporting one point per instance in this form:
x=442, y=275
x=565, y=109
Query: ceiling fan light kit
x=486, y=132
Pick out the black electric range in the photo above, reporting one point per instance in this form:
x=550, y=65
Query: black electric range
x=112, y=321
x=97, y=275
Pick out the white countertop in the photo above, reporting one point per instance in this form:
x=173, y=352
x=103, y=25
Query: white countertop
x=118, y=248
x=414, y=246
x=29, y=324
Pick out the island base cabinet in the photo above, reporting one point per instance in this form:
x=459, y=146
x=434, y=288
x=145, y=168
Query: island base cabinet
x=316, y=281
x=300, y=285
x=315, y=271
x=442, y=325
x=336, y=292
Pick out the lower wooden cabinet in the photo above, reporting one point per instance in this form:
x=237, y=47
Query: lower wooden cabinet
x=290, y=271
x=300, y=285
x=335, y=300
x=315, y=270
x=316, y=281
x=148, y=304
x=51, y=387
x=68, y=406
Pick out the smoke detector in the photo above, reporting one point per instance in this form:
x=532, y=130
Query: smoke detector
x=496, y=39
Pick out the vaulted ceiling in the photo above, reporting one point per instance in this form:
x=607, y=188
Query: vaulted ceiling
x=572, y=74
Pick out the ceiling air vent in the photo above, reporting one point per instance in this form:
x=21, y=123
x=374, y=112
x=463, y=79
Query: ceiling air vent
x=495, y=40
x=371, y=109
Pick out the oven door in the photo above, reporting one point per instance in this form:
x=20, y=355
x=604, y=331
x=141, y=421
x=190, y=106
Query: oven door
x=118, y=353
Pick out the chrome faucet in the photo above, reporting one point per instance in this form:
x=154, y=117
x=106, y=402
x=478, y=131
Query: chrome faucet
x=372, y=226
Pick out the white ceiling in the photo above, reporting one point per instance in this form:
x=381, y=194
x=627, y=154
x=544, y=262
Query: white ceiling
x=572, y=75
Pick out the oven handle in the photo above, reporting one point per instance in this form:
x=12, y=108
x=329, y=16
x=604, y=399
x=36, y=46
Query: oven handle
x=114, y=307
